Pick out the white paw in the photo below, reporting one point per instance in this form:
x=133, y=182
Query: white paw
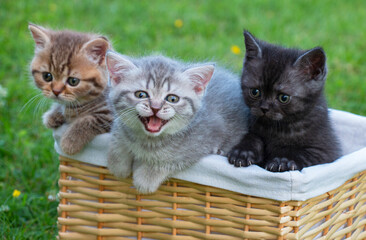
x=119, y=165
x=147, y=180
x=120, y=172
x=144, y=187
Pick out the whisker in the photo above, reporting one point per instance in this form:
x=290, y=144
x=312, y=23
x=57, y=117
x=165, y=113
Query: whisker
x=30, y=102
x=180, y=118
x=126, y=113
x=39, y=107
x=125, y=118
x=122, y=113
x=129, y=118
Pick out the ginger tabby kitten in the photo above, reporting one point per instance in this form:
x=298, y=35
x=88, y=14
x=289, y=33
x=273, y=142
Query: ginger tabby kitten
x=69, y=68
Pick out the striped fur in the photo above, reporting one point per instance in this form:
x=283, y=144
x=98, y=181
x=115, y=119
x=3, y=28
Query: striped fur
x=207, y=117
x=64, y=55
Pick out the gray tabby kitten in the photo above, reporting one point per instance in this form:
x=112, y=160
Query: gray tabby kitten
x=168, y=115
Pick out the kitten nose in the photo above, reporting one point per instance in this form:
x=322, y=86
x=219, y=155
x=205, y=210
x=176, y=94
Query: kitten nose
x=56, y=91
x=264, y=110
x=155, y=110
x=264, y=106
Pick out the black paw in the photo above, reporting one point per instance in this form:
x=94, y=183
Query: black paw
x=242, y=158
x=281, y=165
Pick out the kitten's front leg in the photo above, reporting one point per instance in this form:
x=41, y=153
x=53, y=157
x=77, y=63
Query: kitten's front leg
x=80, y=132
x=281, y=164
x=249, y=151
x=53, y=118
x=285, y=159
x=119, y=160
x=147, y=179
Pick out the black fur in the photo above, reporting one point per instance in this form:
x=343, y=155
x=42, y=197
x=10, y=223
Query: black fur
x=285, y=136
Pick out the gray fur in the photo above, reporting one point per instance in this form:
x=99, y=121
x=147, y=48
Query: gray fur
x=202, y=125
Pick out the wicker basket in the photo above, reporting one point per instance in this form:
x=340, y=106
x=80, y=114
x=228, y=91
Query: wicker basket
x=95, y=205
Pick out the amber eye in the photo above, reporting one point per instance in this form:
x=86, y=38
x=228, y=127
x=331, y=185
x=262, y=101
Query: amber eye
x=172, y=98
x=47, y=76
x=73, y=81
x=283, y=98
x=141, y=94
x=255, y=92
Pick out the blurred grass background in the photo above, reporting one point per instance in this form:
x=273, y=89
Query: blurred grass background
x=206, y=31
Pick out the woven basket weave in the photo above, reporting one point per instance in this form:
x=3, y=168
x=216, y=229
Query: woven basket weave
x=95, y=205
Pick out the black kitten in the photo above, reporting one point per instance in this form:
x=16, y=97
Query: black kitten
x=289, y=127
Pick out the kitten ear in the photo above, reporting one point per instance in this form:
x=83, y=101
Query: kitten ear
x=118, y=66
x=312, y=63
x=40, y=35
x=96, y=49
x=200, y=77
x=253, y=50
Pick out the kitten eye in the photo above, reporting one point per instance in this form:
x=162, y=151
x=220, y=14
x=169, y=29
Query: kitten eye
x=172, y=98
x=47, y=76
x=73, y=81
x=255, y=92
x=283, y=98
x=141, y=94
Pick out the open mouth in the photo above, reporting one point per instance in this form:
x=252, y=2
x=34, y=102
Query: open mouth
x=153, y=124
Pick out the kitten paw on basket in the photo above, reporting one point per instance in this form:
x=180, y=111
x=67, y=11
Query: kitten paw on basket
x=119, y=160
x=281, y=165
x=248, y=152
x=147, y=179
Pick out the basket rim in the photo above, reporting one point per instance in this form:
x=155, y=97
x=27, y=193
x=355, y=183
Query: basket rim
x=213, y=170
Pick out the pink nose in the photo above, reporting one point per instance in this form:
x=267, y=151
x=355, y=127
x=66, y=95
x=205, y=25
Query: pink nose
x=155, y=110
x=56, y=92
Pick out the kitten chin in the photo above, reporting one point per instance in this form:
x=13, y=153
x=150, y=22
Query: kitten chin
x=289, y=126
x=168, y=115
x=69, y=68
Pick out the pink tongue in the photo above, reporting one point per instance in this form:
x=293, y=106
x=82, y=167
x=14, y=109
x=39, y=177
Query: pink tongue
x=154, y=124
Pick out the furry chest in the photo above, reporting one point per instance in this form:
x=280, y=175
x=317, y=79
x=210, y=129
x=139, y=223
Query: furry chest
x=152, y=154
x=72, y=113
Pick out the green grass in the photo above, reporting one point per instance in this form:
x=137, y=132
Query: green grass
x=27, y=159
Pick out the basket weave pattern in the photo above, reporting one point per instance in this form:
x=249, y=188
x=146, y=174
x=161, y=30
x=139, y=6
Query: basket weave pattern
x=95, y=205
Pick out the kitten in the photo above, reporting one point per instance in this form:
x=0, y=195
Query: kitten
x=289, y=127
x=69, y=67
x=169, y=115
